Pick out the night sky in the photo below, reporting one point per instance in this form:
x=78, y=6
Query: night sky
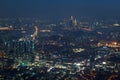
x=59, y=8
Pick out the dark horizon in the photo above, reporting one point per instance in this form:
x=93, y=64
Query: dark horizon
x=59, y=8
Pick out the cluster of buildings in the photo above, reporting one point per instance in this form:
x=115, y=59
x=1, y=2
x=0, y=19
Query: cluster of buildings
x=71, y=50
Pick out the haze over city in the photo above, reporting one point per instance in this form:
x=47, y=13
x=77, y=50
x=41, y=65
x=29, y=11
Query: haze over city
x=59, y=8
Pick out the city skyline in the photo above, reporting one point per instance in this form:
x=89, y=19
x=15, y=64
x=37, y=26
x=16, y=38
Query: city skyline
x=59, y=40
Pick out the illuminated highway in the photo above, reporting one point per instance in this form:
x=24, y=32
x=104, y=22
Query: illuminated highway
x=35, y=33
x=4, y=28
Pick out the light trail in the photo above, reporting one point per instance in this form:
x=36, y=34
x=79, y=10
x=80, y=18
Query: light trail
x=35, y=33
x=4, y=28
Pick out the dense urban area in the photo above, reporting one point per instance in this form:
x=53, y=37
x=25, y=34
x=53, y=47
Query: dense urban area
x=72, y=48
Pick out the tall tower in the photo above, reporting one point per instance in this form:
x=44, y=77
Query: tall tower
x=73, y=22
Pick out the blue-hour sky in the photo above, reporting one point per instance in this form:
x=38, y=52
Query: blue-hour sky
x=59, y=8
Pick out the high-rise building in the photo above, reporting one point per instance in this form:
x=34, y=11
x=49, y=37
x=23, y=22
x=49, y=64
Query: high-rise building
x=71, y=18
x=17, y=48
x=73, y=22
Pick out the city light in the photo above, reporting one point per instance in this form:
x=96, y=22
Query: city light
x=72, y=48
x=104, y=63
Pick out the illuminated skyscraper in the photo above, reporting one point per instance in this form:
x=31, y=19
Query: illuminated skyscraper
x=71, y=18
x=17, y=48
x=73, y=22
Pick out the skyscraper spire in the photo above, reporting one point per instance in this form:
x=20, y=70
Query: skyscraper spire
x=75, y=22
